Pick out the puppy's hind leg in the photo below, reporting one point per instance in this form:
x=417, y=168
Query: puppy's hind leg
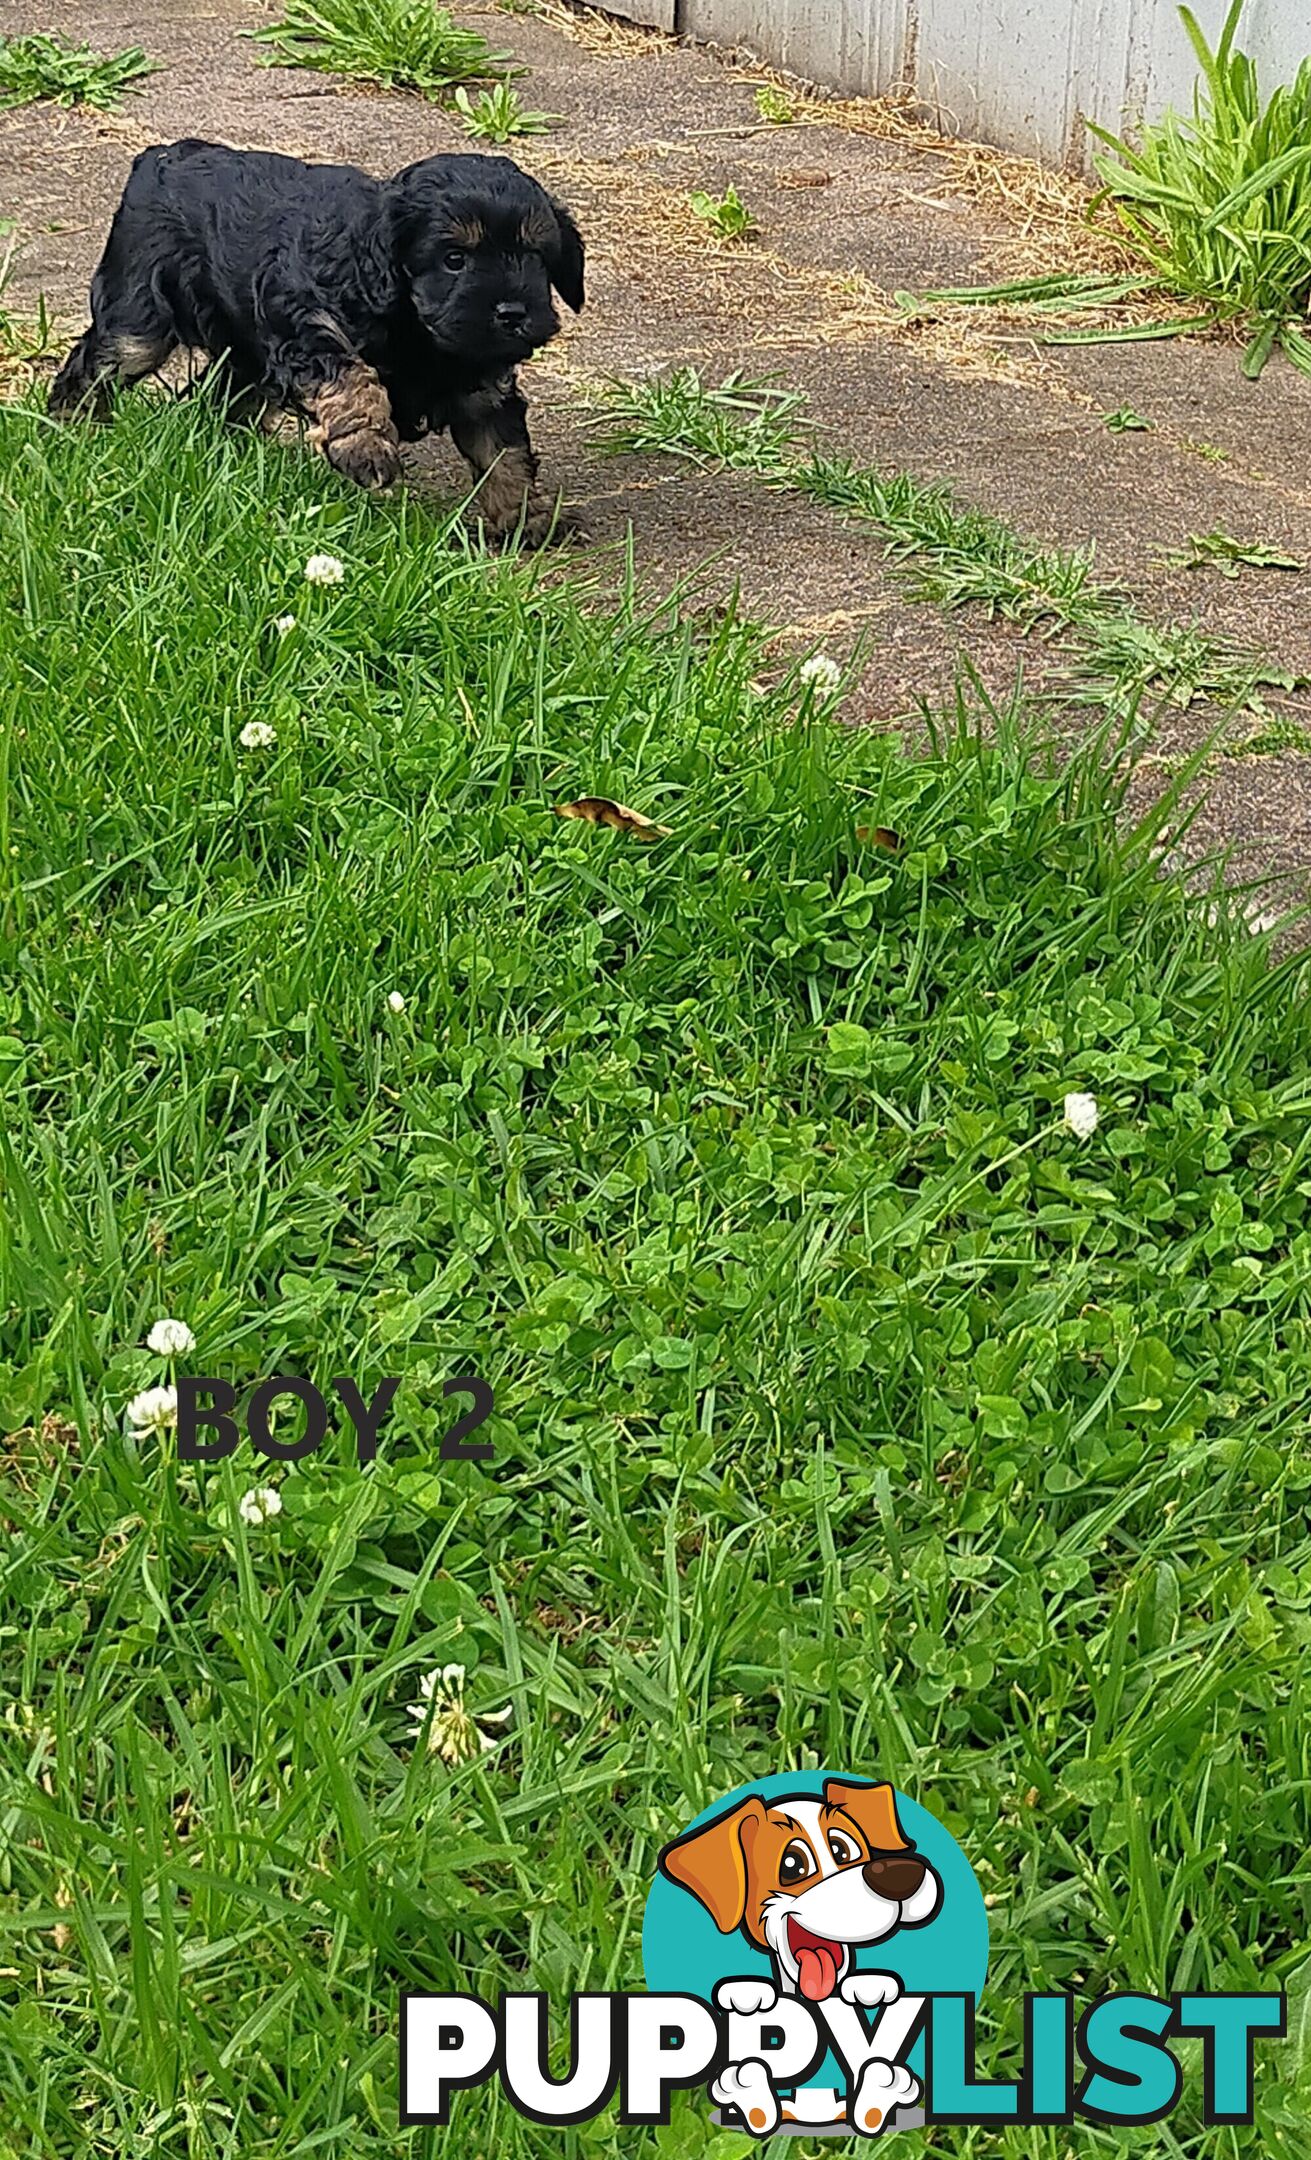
x=103, y=357
x=133, y=327
x=490, y=430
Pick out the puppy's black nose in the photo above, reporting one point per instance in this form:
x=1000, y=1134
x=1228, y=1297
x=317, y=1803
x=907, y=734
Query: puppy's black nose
x=511, y=315
x=894, y=1875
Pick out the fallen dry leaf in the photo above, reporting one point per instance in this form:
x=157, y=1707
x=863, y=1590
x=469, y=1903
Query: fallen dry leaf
x=803, y=176
x=599, y=810
x=881, y=836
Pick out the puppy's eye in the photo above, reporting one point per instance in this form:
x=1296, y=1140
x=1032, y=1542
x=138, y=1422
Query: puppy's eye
x=454, y=259
x=842, y=1849
x=796, y=1863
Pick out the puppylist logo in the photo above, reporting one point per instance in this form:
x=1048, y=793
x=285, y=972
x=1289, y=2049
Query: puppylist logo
x=814, y=1949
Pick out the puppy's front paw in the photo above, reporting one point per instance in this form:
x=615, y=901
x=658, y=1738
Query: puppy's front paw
x=748, y=1998
x=870, y=1989
x=883, y=2088
x=369, y=459
x=746, y=2087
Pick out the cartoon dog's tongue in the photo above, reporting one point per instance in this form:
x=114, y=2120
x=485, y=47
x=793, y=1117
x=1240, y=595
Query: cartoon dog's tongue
x=818, y=1962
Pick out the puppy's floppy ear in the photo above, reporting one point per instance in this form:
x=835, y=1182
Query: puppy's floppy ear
x=873, y=1809
x=406, y=207
x=414, y=199
x=565, y=262
x=711, y=1862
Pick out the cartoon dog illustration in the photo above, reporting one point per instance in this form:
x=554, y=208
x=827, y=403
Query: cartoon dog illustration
x=809, y=1881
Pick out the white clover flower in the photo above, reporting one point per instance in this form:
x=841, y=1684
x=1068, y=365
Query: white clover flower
x=395, y=1002
x=153, y=1410
x=257, y=735
x=170, y=1338
x=284, y=625
x=453, y=1733
x=324, y=570
x=1082, y=1115
x=260, y=1505
x=822, y=670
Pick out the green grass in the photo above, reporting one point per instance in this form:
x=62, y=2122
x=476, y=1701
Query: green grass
x=950, y=553
x=22, y=337
x=1228, y=555
x=402, y=44
x=848, y=1409
x=1218, y=203
x=726, y=215
x=498, y=114
x=774, y=105
x=38, y=66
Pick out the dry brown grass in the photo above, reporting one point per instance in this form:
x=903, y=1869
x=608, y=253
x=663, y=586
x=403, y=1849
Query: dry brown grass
x=1046, y=222
x=1047, y=212
x=598, y=32
x=787, y=306
x=17, y=376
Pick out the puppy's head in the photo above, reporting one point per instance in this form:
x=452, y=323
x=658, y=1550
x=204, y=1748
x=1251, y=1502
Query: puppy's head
x=808, y=1879
x=480, y=246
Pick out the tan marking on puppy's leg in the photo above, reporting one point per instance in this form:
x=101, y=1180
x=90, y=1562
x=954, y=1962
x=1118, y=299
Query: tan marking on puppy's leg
x=490, y=430
x=508, y=495
x=85, y=381
x=353, y=426
x=131, y=356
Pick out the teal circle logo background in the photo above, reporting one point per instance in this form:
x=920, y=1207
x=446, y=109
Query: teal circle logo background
x=684, y=1952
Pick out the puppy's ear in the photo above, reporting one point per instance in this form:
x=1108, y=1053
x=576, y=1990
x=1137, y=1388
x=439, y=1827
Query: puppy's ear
x=711, y=1862
x=565, y=262
x=405, y=208
x=873, y=1809
x=414, y=200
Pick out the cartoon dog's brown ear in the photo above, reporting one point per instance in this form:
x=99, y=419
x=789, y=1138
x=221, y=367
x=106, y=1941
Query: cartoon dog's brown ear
x=873, y=1809
x=712, y=1864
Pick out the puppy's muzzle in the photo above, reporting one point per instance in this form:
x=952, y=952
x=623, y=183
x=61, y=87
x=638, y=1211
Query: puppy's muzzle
x=895, y=1876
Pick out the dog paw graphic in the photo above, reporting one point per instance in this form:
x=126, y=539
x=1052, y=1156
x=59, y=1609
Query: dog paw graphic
x=746, y=2087
x=748, y=1998
x=884, y=2087
x=870, y=1989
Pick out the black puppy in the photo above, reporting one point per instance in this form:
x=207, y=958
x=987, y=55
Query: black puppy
x=377, y=310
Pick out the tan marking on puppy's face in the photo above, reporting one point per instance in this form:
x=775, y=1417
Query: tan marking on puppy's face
x=468, y=232
x=539, y=232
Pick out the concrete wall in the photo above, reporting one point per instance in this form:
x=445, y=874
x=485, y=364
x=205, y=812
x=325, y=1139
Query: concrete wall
x=1021, y=73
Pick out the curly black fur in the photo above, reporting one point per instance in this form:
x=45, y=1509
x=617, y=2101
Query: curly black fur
x=376, y=310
